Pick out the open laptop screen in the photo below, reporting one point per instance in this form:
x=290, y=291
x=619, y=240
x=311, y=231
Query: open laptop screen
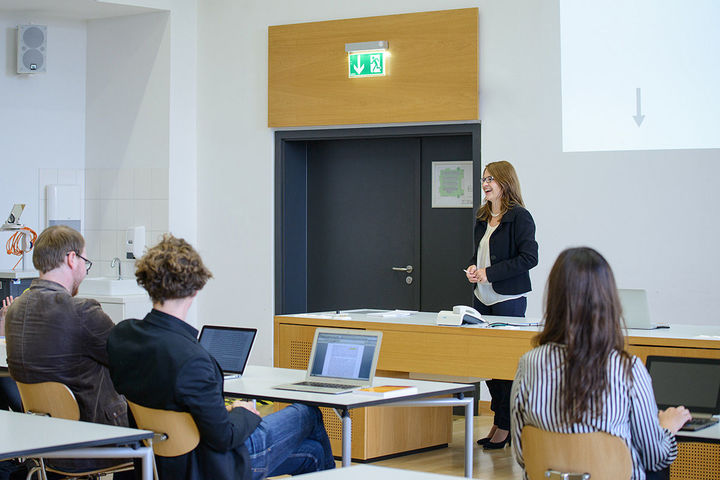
x=692, y=382
x=340, y=355
x=230, y=346
x=635, y=308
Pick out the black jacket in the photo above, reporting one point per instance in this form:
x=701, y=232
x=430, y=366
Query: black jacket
x=513, y=251
x=158, y=363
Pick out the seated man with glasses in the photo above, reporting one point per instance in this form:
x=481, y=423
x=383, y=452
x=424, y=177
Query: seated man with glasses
x=54, y=336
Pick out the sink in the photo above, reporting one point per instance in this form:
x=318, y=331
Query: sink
x=110, y=286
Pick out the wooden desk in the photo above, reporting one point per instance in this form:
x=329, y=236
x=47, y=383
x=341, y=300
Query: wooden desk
x=416, y=344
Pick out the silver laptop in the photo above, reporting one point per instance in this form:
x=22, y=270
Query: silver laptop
x=230, y=346
x=635, y=309
x=341, y=360
x=692, y=382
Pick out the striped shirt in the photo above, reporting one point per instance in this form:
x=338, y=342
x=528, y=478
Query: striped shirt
x=629, y=409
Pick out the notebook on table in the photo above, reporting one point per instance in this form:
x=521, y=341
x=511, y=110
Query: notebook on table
x=230, y=346
x=635, y=309
x=341, y=360
x=691, y=382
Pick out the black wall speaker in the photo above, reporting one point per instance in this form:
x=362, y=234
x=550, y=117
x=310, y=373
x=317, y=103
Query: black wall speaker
x=32, y=48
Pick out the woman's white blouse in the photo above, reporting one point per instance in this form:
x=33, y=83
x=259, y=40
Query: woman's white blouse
x=629, y=409
x=484, y=291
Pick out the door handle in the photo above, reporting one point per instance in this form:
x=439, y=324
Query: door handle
x=407, y=269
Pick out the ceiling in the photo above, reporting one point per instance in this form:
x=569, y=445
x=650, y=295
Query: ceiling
x=74, y=9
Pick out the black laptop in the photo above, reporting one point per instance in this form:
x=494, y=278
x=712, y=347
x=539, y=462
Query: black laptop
x=692, y=382
x=230, y=346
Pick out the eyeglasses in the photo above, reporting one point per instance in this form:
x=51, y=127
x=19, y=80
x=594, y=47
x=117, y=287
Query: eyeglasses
x=487, y=179
x=88, y=263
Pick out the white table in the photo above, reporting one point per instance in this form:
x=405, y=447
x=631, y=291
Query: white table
x=363, y=472
x=23, y=435
x=258, y=382
x=424, y=319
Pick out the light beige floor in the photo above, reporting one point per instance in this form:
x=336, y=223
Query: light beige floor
x=488, y=465
x=492, y=464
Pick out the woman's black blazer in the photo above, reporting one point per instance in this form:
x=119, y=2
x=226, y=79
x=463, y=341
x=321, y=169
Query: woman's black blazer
x=513, y=251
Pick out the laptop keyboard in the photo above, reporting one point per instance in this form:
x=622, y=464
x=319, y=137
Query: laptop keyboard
x=698, y=423
x=325, y=385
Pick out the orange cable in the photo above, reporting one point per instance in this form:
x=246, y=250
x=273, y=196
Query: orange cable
x=14, y=243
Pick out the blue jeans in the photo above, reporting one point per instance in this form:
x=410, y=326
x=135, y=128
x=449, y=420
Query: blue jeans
x=9, y=395
x=500, y=389
x=290, y=442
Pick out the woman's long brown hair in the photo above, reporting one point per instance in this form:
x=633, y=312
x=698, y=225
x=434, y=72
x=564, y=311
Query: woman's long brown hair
x=505, y=176
x=582, y=312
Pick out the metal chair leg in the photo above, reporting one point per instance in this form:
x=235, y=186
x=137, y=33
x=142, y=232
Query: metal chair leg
x=32, y=472
x=39, y=468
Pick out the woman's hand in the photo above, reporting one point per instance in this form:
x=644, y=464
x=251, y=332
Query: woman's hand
x=470, y=273
x=674, y=418
x=475, y=275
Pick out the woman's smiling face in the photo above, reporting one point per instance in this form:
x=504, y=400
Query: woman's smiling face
x=491, y=189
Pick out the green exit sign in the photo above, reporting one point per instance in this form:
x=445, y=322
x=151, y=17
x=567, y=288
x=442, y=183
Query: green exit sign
x=370, y=64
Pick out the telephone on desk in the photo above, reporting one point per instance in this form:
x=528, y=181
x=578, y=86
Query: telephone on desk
x=460, y=315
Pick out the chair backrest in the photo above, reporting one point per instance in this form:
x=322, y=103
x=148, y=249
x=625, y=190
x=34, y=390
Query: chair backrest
x=49, y=398
x=603, y=456
x=179, y=427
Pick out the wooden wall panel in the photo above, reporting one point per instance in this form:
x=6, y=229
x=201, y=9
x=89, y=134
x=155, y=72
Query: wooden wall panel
x=432, y=70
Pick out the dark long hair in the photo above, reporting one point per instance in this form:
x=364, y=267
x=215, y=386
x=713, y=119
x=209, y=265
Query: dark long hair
x=583, y=313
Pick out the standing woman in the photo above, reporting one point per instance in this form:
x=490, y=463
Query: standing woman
x=505, y=251
x=580, y=378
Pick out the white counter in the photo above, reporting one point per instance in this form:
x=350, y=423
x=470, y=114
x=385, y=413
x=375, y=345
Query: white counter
x=676, y=331
x=120, y=307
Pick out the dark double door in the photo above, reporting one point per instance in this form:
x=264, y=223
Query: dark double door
x=358, y=229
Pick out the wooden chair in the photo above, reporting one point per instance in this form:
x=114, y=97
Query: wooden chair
x=55, y=399
x=177, y=431
x=603, y=456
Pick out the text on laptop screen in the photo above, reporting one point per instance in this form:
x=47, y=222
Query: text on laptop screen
x=694, y=383
x=344, y=356
x=230, y=347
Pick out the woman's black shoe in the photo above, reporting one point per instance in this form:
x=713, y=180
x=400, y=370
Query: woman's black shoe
x=497, y=445
x=484, y=441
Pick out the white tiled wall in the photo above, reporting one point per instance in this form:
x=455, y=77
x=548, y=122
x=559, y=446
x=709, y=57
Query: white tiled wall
x=116, y=199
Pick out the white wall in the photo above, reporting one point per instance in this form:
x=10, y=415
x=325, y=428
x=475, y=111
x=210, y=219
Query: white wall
x=651, y=213
x=42, y=120
x=128, y=83
x=137, y=136
x=183, y=168
x=127, y=147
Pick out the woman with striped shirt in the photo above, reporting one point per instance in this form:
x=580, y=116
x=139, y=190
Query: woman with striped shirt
x=580, y=379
